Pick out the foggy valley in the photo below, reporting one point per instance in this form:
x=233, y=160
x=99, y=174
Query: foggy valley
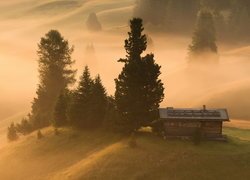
x=225, y=84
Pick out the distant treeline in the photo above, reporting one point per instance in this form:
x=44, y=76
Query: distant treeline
x=231, y=17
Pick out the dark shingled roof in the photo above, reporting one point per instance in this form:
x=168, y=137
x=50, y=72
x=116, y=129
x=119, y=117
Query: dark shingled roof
x=171, y=113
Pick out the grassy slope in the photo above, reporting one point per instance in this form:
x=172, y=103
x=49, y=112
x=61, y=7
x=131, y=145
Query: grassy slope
x=97, y=155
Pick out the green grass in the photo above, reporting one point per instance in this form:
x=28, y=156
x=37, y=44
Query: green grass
x=102, y=155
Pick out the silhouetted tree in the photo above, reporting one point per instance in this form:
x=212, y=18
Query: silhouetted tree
x=24, y=127
x=39, y=134
x=55, y=75
x=204, y=37
x=98, y=102
x=89, y=102
x=60, y=112
x=112, y=120
x=138, y=87
x=12, y=134
x=93, y=23
x=80, y=108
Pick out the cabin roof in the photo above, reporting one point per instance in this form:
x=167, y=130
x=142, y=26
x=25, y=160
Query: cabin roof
x=171, y=113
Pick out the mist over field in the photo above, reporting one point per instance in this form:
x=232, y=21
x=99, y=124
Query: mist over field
x=69, y=152
x=24, y=22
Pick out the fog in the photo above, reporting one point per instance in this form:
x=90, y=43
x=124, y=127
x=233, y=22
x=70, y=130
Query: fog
x=224, y=85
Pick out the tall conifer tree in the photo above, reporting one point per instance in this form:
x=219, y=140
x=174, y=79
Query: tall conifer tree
x=80, y=108
x=138, y=87
x=98, y=101
x=204, y=37
x=55, y=75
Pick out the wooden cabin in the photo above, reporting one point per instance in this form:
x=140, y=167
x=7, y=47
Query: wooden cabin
x=179, y=122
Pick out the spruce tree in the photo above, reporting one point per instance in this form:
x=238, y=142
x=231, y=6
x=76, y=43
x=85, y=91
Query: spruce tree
x=60, y=112
x=12, y=133
x=111, y=120
x=24, y=127
x=98, y=102
x=204, y=36
x=138, y=87
x=55, y=75
x=80, y=108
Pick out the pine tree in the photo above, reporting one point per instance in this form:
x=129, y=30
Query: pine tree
x=98, y=102
x=112, y=119
x=12, y=134
x=39, y=134
x=55, y=75
x=80, y=108
x=24, y=127
x=204, y=37
x=138, y=87
x=60, y=112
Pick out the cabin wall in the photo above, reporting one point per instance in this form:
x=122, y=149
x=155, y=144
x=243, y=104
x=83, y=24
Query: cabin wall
x=181, y=128
x=184, y=128
x=211, y=129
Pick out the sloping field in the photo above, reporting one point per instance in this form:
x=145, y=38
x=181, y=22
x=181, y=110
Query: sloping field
x=99, y=155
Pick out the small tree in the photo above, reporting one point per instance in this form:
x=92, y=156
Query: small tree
x=39, y=134
x=55, y=74
x=98, y=102
x=80, y=108
x=24, y=127
x=12, y=134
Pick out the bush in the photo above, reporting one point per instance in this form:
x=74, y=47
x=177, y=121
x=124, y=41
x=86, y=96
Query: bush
x=12, y=134
x=39, y=134
x=158, y=128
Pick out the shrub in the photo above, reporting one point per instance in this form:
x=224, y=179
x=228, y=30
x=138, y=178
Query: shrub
x=12, y=134
x=158, y=128
x=39, y=134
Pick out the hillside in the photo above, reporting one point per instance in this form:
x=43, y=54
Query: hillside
x=99, y=155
